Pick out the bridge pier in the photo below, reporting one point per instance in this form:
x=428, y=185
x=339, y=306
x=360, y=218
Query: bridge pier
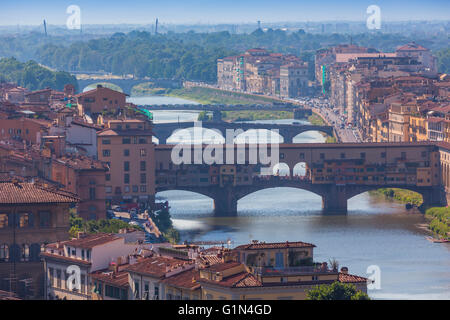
x=434, y=197
x=225, y=203
x=335, y=200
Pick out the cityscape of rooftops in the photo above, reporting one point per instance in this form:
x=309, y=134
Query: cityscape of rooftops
x=224, y=150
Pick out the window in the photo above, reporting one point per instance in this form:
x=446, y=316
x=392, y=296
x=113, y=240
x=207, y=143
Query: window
x=82, y=254
x=135, y=189
x=106, y=153
x=363, y=155
x=3, y=220
x=58, y=278
x=88, y=255
x=342, y=155
x=136, y=290
x=143, y=188
x=142, y=140
x=83, y=283
x=322, y=156
x=108, y=177
x=143, y=178
x=92, y=194
x=4, y=252
x=126, y=189
x=143, y=152
x=302, y=155
x=25, y=220
x=156, y=291
x=126, y=178
x=383, y=154
x=126, y=152
x=108, y=189
x=126, y=140
x=143, y=165
x=44, y=219
x=146, y=291
x=126, y=166
x=403, y=155
x=106, y=141
x=281, y=155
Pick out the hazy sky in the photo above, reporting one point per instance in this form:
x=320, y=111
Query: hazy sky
x=32, y=12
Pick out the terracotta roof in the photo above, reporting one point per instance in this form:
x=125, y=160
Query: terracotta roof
x=92, y=240
x=129, y=132
x=95, y=90
x=218, y=267
x=118, y=279
x=156, y=266
x=187, y=279
x=64, y=258
x=12, y=192
x=210, y=259
x=82, y=163
x=238, y=280
x=274, y=245
x=350, y=278
x=412, y=47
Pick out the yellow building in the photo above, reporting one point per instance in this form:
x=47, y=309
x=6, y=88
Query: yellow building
x=272, y=271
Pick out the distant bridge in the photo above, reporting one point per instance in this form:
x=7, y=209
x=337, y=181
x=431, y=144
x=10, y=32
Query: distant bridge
x=127, y=84
x=288, y=131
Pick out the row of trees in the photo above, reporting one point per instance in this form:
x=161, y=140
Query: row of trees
x=33, y=76
x=192, y=55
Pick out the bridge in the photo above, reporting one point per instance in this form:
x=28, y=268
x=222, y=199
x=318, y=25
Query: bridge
x=288, y=131
x=336, y=172
x=127, y=84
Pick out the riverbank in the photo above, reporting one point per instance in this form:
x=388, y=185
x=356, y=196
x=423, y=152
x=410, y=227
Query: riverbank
x=401, y=195
x=438, y=217
x=439, y=224
x=204, y=95
x=317, y=120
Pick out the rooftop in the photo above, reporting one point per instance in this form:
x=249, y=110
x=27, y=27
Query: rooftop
x=16, y=192
x=82, y=163
x=92, y=240
x=156, y=266
x=187, y=279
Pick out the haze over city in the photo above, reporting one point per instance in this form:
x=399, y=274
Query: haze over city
x=31, y=12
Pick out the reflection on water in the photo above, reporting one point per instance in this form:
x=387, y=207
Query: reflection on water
x=375, y=231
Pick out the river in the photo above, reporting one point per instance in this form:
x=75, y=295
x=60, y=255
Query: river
x=376, y=231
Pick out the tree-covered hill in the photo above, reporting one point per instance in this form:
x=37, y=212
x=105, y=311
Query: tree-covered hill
x=192, y=55
x=33, y=76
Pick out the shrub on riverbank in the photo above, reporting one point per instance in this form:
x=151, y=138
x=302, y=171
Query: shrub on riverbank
x=402, y=195
x=440, y=221
x=315, y=120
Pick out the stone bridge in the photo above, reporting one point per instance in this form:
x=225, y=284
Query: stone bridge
x=163, y=131
x=336, y=172
x=127, y=84
x=334, y=197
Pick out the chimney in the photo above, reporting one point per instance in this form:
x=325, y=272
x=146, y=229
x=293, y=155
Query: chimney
x=344, y=270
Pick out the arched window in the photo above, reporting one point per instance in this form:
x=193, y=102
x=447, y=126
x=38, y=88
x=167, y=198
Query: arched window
x=4, y=252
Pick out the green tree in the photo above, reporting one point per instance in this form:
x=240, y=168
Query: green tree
x=336, y=291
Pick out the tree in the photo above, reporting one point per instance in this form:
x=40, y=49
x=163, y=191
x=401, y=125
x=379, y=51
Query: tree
x=336, y=291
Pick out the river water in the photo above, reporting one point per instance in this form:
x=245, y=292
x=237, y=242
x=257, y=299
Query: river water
x=376, y=231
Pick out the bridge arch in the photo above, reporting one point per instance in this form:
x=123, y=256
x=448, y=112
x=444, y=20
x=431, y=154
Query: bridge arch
x=281, y=169
x=196, y=135
x=299, y=169
x=310, y=136
x=109, y=85
x=259, y=136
